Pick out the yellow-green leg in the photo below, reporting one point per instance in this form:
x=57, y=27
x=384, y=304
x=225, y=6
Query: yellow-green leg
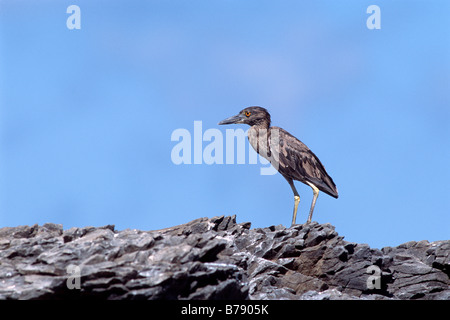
x=296, y=202
x=313, y=204
x=296, y=199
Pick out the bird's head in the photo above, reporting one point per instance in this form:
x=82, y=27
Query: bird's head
x=251, y=116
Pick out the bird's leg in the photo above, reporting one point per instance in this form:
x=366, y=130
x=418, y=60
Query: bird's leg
x=296, y=202
x=313, y=204
x=296, y=199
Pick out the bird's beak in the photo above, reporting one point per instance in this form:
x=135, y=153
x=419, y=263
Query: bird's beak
x=231, y=120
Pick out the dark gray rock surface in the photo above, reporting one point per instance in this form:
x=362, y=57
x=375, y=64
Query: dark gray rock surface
x=215, y=259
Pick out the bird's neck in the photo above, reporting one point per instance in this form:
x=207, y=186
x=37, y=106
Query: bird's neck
x=258, y=136
x=263, y=124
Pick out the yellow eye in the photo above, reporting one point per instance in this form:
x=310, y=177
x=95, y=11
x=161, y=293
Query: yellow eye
x=248, y=114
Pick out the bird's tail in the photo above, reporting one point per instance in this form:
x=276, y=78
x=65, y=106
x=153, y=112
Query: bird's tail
x=327, y=185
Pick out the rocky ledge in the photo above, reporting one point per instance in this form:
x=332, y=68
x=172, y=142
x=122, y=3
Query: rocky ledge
x=215, y=258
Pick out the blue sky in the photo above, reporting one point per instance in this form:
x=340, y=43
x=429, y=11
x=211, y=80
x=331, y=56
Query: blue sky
x=86, y=116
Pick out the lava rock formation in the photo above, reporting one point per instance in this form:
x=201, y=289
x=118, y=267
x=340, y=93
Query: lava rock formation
x=215, y=258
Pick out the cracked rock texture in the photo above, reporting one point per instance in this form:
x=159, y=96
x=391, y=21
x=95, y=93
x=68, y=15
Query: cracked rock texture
x=215, y=258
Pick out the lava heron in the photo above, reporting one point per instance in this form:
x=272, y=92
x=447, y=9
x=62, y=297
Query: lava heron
x=291, y=157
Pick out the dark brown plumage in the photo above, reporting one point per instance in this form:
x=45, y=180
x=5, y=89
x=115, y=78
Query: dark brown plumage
x=298, y=162
x=291, y=157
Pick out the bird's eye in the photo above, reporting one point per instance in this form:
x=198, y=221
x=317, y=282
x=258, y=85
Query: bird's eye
x=247, y=114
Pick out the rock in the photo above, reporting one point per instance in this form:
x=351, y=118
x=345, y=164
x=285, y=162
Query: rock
x=215, y=258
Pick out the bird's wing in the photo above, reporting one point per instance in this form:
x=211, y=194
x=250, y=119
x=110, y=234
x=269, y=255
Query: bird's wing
x=297, y=161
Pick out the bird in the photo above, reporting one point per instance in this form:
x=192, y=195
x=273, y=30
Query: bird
x=291, y=157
